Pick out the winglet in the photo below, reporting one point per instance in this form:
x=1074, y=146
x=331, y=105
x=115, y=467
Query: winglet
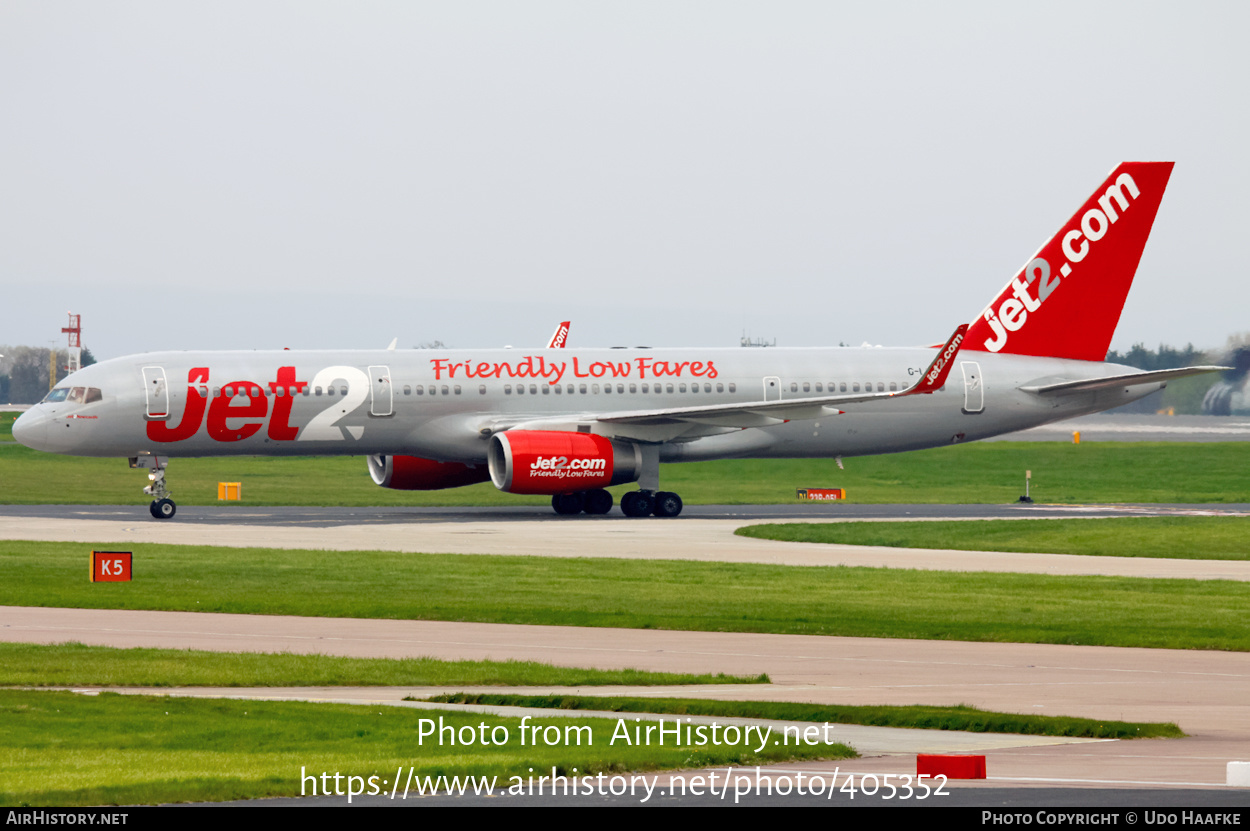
x=935, y=375
x=558, y=339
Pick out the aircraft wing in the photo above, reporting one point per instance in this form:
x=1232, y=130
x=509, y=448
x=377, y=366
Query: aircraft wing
x=1131, y=379
x=764, y=413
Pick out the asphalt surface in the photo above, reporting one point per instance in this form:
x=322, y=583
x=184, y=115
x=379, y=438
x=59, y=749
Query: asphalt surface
x=331, y=517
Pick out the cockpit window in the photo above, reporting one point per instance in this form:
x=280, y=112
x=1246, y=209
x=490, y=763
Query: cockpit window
x=73, y=395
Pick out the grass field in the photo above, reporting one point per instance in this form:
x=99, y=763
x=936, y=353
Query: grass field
x=970, y=719
x=993, y=472
x=1187, y=538
x=644, y=594
x=74, y=664
x=63, y=749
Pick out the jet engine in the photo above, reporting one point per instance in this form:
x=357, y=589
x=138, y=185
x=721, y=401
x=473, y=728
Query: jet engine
x=412, y=473
x=555, y=462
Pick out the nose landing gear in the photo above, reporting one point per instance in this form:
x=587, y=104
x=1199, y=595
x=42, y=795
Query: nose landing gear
x=162, y=506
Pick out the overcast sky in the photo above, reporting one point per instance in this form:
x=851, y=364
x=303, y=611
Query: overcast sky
x=267, y=174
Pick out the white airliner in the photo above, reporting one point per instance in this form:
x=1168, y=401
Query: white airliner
x=571, y=422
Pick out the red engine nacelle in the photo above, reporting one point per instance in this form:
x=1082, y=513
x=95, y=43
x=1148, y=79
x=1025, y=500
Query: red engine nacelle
x=551, y=462
x=411, y=473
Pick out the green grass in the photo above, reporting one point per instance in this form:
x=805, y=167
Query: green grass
x=965, y=718
x=990, y=472
x=1188, y=538
x=74, y=664
x=643, y=594
x=64, y=749
x=6, y=425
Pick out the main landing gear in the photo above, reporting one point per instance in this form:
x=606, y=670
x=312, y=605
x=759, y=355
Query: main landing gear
x=597, y=501
x=648, y=500
x=162, y=506
x=633, y=504
x=647, y=503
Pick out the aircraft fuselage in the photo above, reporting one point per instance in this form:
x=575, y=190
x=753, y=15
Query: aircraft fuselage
x=443, y=405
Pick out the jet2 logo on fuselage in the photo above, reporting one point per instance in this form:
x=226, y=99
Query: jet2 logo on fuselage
x=243, y=408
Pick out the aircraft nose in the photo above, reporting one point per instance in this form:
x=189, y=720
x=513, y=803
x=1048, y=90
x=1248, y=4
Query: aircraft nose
x=31, y=429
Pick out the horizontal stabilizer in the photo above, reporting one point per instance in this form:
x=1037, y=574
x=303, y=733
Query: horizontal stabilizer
x=1131, y=379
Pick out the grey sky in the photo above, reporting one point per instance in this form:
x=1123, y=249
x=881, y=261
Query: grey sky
x=263, y=174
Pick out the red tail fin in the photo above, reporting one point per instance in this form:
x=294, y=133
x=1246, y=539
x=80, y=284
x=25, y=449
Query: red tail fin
x=1066, y=301
x=560, y=337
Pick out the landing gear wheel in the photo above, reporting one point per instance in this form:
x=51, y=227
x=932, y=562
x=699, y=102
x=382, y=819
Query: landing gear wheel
x=667, y=504
x=637, y=503
x=598, y=501
x=163, y=508
x=567, y=503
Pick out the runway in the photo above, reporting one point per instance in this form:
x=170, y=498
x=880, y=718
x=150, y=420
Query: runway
x=705, y=534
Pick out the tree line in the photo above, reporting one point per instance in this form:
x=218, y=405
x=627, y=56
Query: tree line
x=24, y=372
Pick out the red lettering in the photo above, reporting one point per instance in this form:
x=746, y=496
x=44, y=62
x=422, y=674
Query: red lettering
x=280, y=428
x=525, y=368
x=224, y=408
x=192, y=413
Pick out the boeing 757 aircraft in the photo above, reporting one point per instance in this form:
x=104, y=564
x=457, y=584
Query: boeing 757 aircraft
x=571, y=422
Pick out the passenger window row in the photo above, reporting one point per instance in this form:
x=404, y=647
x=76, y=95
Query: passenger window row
x=594, y=389
x=842, y=387
x=233, y=390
